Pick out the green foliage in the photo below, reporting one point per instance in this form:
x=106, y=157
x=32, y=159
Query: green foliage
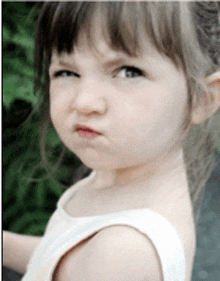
x=30, y=195
x=18, y=50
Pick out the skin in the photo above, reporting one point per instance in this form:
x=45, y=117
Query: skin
x=140, y=116
x=140, y=120
x=139, y=112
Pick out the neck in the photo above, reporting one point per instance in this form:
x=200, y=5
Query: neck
x=150, y=174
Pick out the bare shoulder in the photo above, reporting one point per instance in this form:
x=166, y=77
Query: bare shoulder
x=124, y=254
x=116, y=253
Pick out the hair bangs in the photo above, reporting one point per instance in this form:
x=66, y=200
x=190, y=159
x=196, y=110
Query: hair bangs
x=163, y=27
x=119, y=22
x=123, y=26
x=66, y=23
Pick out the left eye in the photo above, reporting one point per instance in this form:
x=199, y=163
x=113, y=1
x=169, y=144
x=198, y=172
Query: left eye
x=65, y=73
x=129, y=72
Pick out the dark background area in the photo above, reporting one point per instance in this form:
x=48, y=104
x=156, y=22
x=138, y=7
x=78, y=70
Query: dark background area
x=29, y=196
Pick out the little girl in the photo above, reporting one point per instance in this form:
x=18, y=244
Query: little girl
x=130, y=88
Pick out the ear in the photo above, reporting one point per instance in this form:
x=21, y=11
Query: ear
x=204, y=111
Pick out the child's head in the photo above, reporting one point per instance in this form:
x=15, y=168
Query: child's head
x=176, y=33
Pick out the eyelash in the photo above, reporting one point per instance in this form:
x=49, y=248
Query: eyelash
x=134, y=69
x=61, y=72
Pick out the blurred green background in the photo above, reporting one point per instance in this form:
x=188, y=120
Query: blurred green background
x=29, y=195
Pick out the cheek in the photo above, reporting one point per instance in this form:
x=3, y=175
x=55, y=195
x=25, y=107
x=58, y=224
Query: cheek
x=55, y=114
x=57, y=111
x=156, y=119
x=59, y=102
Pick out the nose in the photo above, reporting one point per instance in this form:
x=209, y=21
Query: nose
x=89, y=98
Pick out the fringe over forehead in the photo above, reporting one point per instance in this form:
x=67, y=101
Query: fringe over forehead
x=165, y=24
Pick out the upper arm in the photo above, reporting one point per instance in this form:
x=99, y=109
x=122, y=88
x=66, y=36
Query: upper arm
x=117, y=253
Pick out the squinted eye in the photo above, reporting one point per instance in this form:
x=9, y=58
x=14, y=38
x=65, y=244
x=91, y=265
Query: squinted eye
x=65, y=73
x=129, y=72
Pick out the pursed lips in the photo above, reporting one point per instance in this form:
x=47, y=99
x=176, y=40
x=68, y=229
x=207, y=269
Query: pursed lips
x=86, y=132
x=85, y=128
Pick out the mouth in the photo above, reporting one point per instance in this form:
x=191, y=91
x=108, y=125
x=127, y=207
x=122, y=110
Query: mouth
x=86, y=132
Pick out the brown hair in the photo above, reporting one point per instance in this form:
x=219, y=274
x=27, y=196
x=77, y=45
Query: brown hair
x=187, y=33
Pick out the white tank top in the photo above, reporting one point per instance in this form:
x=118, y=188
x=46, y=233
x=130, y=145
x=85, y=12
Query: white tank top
x=65, y=232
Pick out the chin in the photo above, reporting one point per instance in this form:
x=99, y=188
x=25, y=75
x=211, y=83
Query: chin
x=97, y=163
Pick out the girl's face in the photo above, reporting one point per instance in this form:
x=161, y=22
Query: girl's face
x=137, y=104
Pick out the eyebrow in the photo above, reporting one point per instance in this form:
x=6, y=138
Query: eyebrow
x=116, y=61
x=105, y=61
